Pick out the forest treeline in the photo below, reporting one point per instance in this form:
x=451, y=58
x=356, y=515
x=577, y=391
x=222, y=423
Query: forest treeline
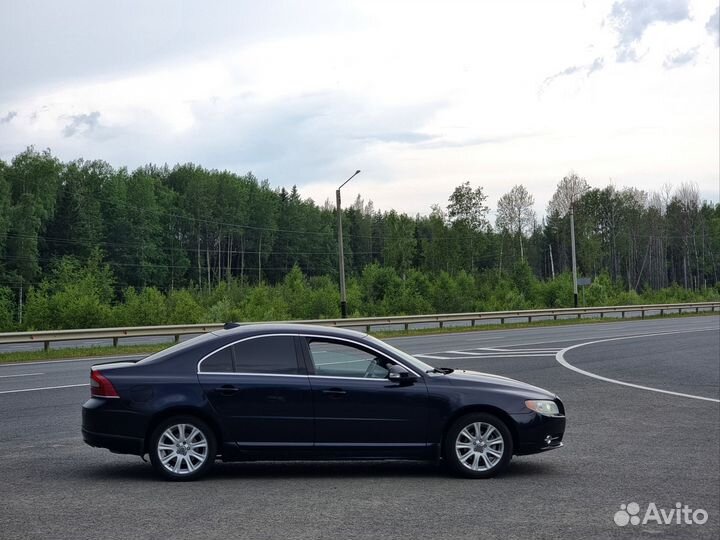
x=83, y=244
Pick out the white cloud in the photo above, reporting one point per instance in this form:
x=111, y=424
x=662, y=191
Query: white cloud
x=632, y=18
x=8, y=117
x=421, y=96
x=713, y=25
x=681, y=58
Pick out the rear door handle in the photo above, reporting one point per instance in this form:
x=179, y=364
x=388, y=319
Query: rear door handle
x=228, y=389
x=334, y=392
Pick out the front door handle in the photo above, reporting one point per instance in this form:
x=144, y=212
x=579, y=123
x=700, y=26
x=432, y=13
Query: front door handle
x=228, y=389
x=334, y=393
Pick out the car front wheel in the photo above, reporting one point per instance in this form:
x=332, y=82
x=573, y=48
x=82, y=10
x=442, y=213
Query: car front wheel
x=478, y=445
x=182, y=448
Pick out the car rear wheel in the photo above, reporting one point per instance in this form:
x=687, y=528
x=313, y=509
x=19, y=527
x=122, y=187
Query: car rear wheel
x=182, y=448
x=478, y=445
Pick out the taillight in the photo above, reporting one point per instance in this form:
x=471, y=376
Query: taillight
x=100, y=386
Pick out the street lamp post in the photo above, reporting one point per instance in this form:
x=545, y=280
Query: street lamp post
x=341, y=255
x=574, y=263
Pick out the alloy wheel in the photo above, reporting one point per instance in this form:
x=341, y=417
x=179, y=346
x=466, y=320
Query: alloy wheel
x=479, y=446
x=182, y=448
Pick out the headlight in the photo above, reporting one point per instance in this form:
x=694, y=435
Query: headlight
x=547, y=408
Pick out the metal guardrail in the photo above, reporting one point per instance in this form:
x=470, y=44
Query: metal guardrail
x=48, y=336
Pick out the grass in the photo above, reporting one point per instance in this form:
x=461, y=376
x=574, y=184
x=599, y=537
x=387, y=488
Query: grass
x=81, y=352
x=126, y=350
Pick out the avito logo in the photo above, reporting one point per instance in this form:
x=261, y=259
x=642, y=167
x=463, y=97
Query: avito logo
x=680, y=515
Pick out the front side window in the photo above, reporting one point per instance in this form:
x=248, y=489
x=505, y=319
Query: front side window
x=333, y=359
x=271, y=354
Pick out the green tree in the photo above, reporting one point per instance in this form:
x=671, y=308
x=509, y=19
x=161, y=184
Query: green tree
x=33, y=179
x=468, y=205
x=515, y=213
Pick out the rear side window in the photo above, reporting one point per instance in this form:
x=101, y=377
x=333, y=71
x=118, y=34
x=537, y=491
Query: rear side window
x=272, y=354
x=218, y=362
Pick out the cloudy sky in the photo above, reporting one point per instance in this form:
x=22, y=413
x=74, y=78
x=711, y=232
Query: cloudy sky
x=421, y=96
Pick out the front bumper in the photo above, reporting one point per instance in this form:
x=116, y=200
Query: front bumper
x=538, y=433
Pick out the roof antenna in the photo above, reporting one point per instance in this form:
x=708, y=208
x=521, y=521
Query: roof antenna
x=231, y=325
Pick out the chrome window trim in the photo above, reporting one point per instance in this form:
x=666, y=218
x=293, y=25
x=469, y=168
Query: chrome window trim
x=292, y=375
x=319, y=336
x=251, y=374
x=349, y=378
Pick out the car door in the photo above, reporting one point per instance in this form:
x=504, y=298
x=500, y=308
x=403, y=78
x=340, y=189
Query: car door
x=357, y=409
x=261, y=392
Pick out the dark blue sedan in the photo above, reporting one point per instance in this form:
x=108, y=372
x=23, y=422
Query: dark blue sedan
x=274, y=392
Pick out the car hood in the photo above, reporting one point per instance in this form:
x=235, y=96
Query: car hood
x=463, y=377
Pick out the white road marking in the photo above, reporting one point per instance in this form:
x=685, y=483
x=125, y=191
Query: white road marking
x=534, y=349
x=43, y=388
x=517, y=352
x=478, y=358
x=490, y=353
x=20, y=375
x=560, y=357
x=471, y=336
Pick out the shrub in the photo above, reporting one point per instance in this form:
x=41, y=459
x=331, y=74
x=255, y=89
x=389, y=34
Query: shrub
x=224, y=311
x=450, y=295
x=182, y=308
x=600, y=291
x=412, y=297
x=145, y=308
x=523, y=279
x=626, y=298
x=37, y=309
x=378, y=283
x=75, y=295
x=555, y=293
x=323, y=299
x=264, y=303
x=295, y=292
x=74, y=307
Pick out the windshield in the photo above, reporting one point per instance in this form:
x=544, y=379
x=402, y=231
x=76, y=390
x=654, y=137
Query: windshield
x=414, y=362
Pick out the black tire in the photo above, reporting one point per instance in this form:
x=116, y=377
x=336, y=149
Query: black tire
x=191, y=467
x=492, y=464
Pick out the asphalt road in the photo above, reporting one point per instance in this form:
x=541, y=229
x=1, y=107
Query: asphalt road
x=623, y=444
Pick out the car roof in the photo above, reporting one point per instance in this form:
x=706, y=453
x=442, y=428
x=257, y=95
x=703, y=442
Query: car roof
x=288, y=328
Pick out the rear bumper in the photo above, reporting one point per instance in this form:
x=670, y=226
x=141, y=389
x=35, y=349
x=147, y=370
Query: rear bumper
x=118, y=444
x=106, y=424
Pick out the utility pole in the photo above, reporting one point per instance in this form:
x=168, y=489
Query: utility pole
x=341, y=255
x=552, y=264
x=574, y=263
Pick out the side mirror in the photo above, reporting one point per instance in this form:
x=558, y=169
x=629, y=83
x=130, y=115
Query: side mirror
x=399, y=374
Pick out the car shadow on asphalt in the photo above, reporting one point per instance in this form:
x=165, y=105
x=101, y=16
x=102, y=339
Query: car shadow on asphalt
x=313, y=469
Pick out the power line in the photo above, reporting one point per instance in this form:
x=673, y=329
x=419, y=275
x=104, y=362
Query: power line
x=209, y=221
x=221, y=267
x=180, y=249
